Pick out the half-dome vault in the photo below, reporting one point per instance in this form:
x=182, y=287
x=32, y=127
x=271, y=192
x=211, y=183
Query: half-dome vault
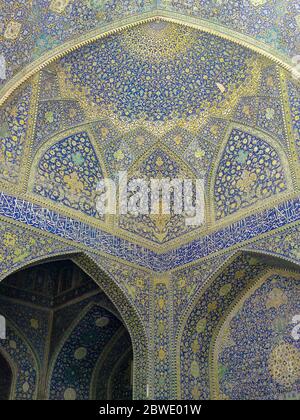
x=159, y=96
x=216, y=108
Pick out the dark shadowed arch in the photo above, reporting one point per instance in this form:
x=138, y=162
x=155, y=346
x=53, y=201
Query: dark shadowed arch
x=118, y=297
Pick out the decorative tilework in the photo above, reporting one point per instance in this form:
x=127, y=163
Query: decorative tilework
x=158, y=83
x=74, y=371
x=270, y=117
x=247, y=110
x=25, y=364
x=65, y=316
x=135, y=283
x=27, y=31
x=161, y=324
x=159, y=228
x=80, y=233
x=54, y=116
x=130, y=316
x=49, y=84
x=273, y=22
x=187, y=283
x=250, y=170
x=199, y=156
x=163, y=85
x=260, y=363
x=14, y=119
x=285, y=244
x=31, y=321
x=269, y=82
x=120, y=148
x=204, y=318
x=244, y=230
x=68, y=173
x=19, y=247
x=31, y=30
x=294, y=98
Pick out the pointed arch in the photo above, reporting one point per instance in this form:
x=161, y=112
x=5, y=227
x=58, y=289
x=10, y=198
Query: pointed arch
x=213, y=296
x=68, y=335
x=223, y=330
x=130, y=316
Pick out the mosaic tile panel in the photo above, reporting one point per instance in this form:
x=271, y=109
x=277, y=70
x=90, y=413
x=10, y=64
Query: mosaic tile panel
x=29, y=30
x=261, y=362
x=204, y=318
x=161, y=323
x=68, y=173
x=73, y=368
x=284, y=244
x=160, y=83
x=54, y=116
x=294, y=99
x=64, y=227
x=136, y=284
x=32, y=322
x=250, y=170
x=159, y=228
x=187, y=283
x=274, y=22
x=21, y=247
x=14, y=120
x=20, y=353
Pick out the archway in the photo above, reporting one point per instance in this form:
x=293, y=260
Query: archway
x=52, y=302
x=205, y=331
x=6, y=378
x=255, y=345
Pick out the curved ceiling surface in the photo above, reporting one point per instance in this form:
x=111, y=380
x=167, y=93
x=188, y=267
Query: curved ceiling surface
x=31, y=29
x=158, y=72
x=158, y=100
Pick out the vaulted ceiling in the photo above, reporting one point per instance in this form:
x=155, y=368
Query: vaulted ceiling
x=158, y=99
x=31, y=31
